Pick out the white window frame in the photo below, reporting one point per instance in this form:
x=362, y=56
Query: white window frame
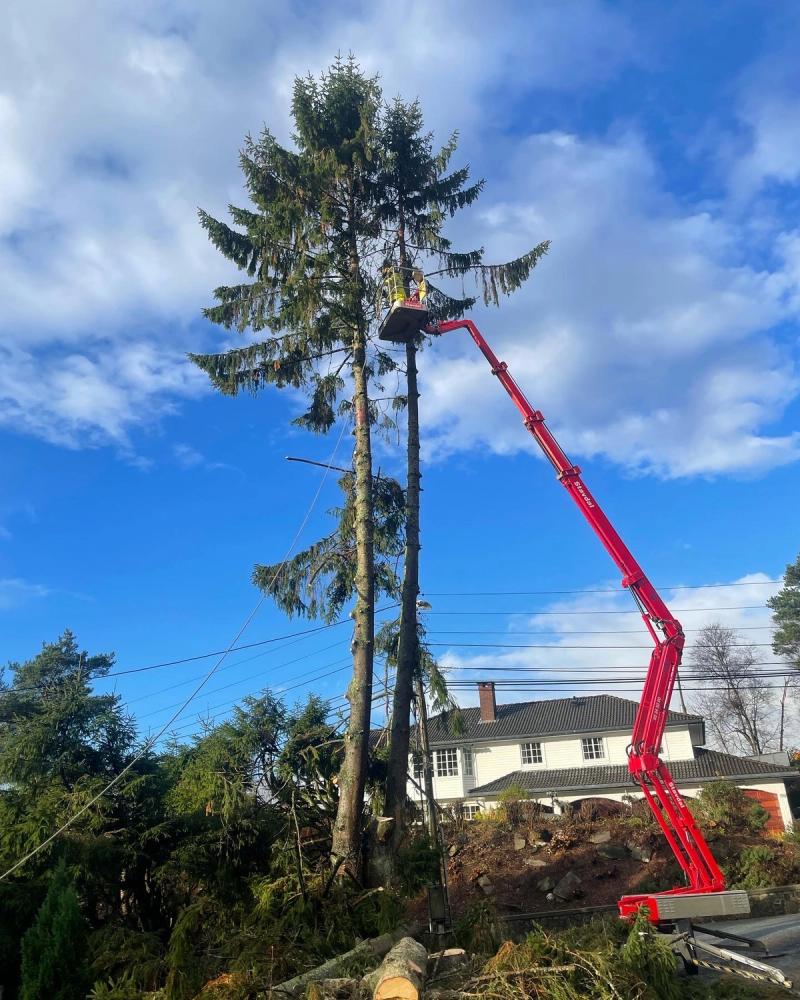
x=531, y=753
x=593, y=748
x=468, y=761
x=471, y=811
x=447, y=762
x=417, y=765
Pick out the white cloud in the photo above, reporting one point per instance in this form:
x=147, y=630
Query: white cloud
x=644, y=335
x=15, y=591
x=78, y=399
x=118, y=123
x=600, y=636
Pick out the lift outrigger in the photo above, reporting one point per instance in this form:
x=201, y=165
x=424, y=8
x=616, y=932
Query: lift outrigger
x=705, y=894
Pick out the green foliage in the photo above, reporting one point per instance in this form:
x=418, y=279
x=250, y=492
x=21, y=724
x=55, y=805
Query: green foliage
x=124, y=988
x=585, y=962
x=756, y=867
x=319, y=581
x=785, y=607
x=128, y=958
x=479, y=930
x=512, y=801
x=54, y=947
x=418, y=865
x=648, y=955
x=725, y=808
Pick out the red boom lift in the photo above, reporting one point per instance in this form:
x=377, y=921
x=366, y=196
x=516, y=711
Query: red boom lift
x=705, y=894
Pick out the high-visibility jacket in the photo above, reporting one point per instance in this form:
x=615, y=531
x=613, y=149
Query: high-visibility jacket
x=394, y=286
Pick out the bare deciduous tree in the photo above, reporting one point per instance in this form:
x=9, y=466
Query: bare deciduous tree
x=739, y=706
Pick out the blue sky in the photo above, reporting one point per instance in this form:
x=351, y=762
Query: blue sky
x=655, y=145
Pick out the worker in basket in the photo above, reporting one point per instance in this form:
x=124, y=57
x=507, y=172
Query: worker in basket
x=408, y=313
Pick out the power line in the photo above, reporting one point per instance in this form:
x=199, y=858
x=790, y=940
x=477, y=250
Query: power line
x=576, y=631
x=511, y=645
x=558, y=614
x=204, y=656
x=594, y=590
x=598, y=667
x=146, y=746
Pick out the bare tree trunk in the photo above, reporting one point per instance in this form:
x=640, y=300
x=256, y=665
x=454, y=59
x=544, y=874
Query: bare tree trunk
x=408, y=639
x=352, y=777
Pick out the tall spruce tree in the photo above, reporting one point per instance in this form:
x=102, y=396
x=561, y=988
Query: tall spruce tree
x=308, y=244
x=416, y=196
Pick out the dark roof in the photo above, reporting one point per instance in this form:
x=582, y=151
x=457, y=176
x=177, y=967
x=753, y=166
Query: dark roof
x=556, y=717
x=708, y=764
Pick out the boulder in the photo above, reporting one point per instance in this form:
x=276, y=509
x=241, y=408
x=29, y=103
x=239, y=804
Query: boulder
x=453, y=850
x=535, y=863
x=613, y=851
x=601, y=837
x=546, y=884
x=519, y=843
x=486, y=886
x=640, y=852
x=567, y=887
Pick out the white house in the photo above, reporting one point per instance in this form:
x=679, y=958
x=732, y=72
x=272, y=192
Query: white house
x=567, y=750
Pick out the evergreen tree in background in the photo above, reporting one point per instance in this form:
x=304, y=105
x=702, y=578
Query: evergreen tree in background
x=785, y=607
x=417, y=195
x=308, y=244
x=54, y=947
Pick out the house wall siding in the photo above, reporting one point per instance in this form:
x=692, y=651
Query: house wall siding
x=494, y=760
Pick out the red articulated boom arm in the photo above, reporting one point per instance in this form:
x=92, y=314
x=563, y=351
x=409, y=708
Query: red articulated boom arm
x=646, y=767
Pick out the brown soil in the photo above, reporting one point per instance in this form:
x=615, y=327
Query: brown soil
x=487, y=848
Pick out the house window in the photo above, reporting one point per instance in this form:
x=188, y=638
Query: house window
x=417, y=761
x=471, y=811
x=447, y=763
x=593, y=748
x=469, y=762
x=532, y=753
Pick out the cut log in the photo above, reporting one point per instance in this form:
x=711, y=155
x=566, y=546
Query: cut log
x=376, y=948
x=401, y=974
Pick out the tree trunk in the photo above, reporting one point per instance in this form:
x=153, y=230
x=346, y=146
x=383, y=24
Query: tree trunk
x=427, y=763
x=401, y=975
x=408, y=638
x=347, y=843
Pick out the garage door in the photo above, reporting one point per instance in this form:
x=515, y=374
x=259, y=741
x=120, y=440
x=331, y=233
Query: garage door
x=769, y=800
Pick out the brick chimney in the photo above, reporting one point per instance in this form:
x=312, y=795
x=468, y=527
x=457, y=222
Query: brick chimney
x=487, y=701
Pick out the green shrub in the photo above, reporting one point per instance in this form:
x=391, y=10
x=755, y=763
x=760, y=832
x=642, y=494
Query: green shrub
x=479, y=930
x=512, y=805
x=757, y=817
x=723, y=806
x=54, y=947
x=757, y=868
